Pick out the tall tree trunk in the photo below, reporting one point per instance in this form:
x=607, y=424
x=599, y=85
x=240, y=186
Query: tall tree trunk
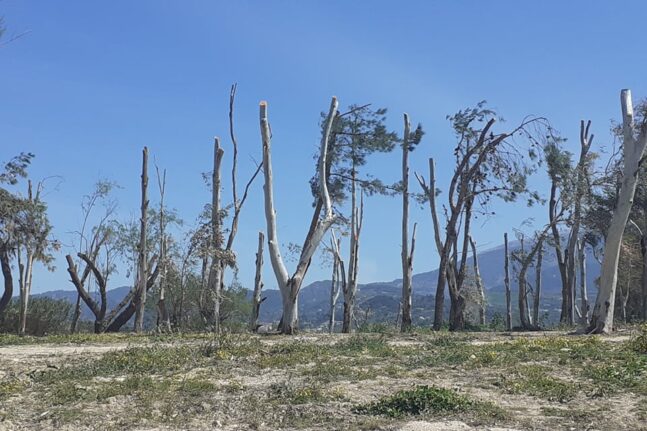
x=25, y=289
x=478, y=281
x=258, y=283
x=76, y=315
x=643, y=253
x=584, y=297
x=143, y=250
x=215, y=272
x=633, y=150
x=407, y=267
x=163, y=318
x=8, y=278
x=334, y=289
x=537, y=296
x=506, y=281
x=350, y=287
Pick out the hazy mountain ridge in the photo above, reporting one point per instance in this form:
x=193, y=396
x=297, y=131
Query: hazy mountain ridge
x=382, y=298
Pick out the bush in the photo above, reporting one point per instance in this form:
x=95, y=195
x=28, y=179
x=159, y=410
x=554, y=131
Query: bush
x=421, y=399
x=639, y=343
x=44, y=316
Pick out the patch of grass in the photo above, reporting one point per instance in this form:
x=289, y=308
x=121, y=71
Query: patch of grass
x=303, y=393
x=533, y=380
x=616, y=374
x=639, y=343
x=10, y=387
x=417, y=401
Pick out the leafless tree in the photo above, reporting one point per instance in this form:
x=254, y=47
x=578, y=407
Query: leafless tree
x=290, y=286
x=258, y=283
x=143, y=271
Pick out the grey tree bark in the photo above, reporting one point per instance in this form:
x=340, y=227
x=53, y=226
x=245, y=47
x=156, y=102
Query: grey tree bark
x=140, y=297
x=215, y=271
x=258, y=283
x=478, y=281
x=506, y=281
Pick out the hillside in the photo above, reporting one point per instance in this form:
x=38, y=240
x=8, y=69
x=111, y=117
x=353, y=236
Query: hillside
x=379, y=302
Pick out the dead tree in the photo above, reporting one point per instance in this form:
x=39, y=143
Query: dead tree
x=537, y=290
x=118, y=316
x=406, y=254
x=290, y=286
x=584, y=297
x=478, y=281
x=223, y=256
x=634, y=143
x=506, y=281
x=258, y=283
x=163, y=317
x=349, y=287
x=142, y=276
x=339, y=279
x=215, y=272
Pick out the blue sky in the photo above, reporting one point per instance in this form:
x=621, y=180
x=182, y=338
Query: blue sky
x=93, y=82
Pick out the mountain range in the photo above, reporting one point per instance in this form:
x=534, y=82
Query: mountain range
x=379, y=301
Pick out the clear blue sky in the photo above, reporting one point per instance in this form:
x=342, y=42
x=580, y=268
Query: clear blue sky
x=93, y=82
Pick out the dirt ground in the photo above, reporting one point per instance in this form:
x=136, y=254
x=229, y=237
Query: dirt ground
x=530, y=381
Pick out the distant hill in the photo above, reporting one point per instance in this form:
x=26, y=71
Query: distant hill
x=380, y=301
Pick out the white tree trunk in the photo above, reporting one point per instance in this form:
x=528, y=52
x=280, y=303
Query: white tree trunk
x=633, y=150
x=291, y=286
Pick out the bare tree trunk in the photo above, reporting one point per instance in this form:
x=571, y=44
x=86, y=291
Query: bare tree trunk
x=143, y=250
x=478, y=282
x=633, y=150
x=584, y=298
x=537, y=296
x=407, y=264
x=334, y=287
x=291, y=286
x=215, y=272
x=25, y=288
x=76, y=316
x=506, y=280
x=258, y=283
x=8, y=278
x=643, y=253
x=350, y=287
x=163, y=318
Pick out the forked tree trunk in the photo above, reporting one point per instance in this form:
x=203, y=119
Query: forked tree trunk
x=291, y=286
x=506, y=281
x=633, y=150
x=163, y=318
x=258, y=283
x=143, y=250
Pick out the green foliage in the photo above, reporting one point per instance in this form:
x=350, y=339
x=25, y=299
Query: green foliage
x=45, y=316
x=639, y=342
x=356, y=134
x=417, y=401
x=533, y=380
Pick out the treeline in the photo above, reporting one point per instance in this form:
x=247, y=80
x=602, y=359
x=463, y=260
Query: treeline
x=597, y=203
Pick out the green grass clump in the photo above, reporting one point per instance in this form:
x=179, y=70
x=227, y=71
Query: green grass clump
x=10, y=387
x=533, y=380
x=421, y=399
x=639, y=343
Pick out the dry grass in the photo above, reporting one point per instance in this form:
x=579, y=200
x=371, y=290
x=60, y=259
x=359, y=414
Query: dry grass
x=359, y=382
